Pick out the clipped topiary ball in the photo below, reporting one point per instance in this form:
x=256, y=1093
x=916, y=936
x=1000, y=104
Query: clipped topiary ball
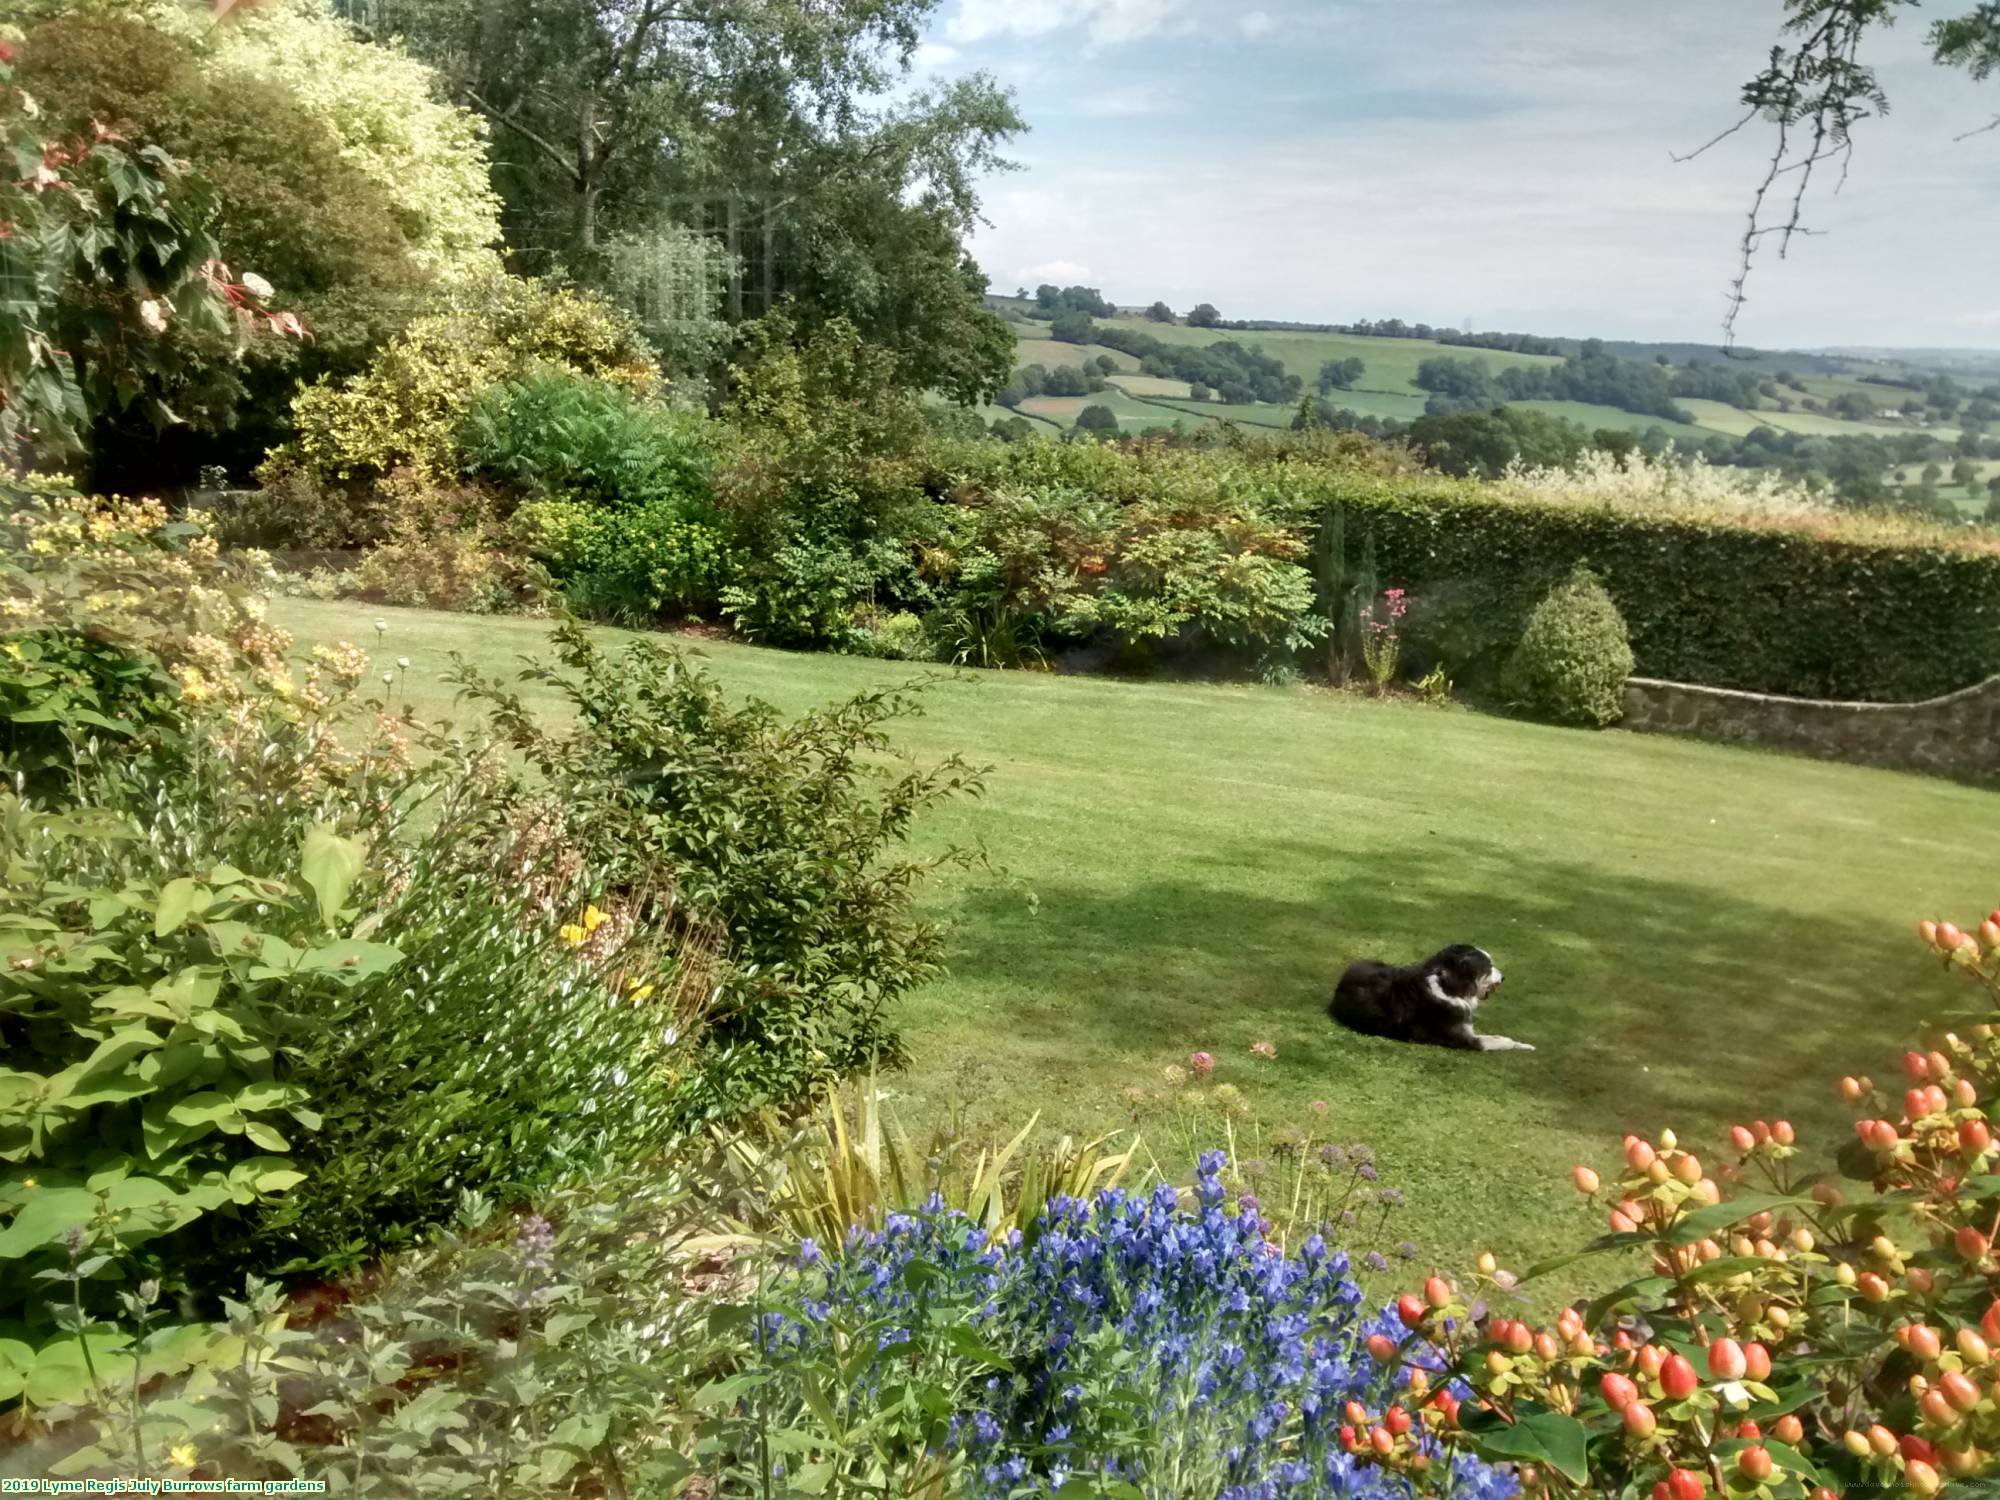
x=1574, y=657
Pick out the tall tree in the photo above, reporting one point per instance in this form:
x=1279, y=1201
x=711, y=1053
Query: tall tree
x=768, y=120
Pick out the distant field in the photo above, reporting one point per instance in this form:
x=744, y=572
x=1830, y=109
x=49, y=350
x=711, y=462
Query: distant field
x=1401, y=408
x=989, y=413
x=1592, y=417
x=1256, y=415
x=1390, y=390
x=1729, y=419
x=1150, y=385
x=1053, y=355
x=1391, y=363
x=1132, y=415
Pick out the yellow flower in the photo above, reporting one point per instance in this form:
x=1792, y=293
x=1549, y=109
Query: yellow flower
x=641, y=992
x=574, y=935
x=182, y=1454
x=594, y=919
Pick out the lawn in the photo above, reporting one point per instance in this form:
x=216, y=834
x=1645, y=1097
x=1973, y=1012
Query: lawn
x=1692, y=934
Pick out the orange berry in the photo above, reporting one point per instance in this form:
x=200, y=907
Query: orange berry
x=1585, y=1180
x=1639, y=1420
x=1755, y=1464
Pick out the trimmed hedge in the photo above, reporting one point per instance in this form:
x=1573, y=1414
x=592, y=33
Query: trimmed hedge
x=1763, y=607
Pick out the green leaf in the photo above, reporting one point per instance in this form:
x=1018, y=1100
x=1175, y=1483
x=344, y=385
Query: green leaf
x=1536, y=1436
x=178, y=899
x=16, y=1360
x=351, y=959
x=1704, y=1222
x=330, y=865
x=45, y=1218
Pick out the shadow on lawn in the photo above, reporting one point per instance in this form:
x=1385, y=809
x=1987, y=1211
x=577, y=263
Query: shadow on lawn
x=1734, y=1005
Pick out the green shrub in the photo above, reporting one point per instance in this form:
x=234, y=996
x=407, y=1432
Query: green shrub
x=1823, y=607
x=803, y=592
x=772, y=847
x=1573, y=660
x=295, y=509
x=440, y=552
x=500, y=1058
x=894, y=636
x=629, y=565
x=111, y=614
x=407, y=409
x=148, y=1025
x=290, y=206
x=556, y=435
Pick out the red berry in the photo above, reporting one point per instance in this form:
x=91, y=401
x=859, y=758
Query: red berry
x=1639, y=1420
x=1677, y=1378
x=1519, y=1339
x=1915, y=1064
x=1789, y=1430
x=1349, y=1439
x=1741, y=1138
x=1355, y=1413
x=1726, y=1361
x=1755, y=1464
x=1381, y=1348
x=1397, y=1420
x=1619, y=1392
x=1686, y=1484
x=1974, y=1135
x=1959, y=1390
x=1436, y=1292
x=1989, y=1323
x=1916, y=1449
x=1851, y=1089
x=1410, y=1310
x=1937, y=1411
x=1585, y=1180
x=1922, y=1340
x=1756, y=1362
x=1381, y=1442
x=1970, y=1242
x=1949, y=937
x=1921, y=1477
x=1782, y=1132
x=1639, y=1154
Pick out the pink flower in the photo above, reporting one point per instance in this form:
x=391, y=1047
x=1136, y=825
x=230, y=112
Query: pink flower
x=1263, y=1049
x=1318, y=1106
x=1202, y=1063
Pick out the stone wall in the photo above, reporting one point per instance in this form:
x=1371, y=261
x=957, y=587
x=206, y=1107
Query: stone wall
x=1956, y=735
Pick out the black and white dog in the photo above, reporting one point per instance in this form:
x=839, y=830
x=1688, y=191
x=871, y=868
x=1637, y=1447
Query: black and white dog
x=1432, y=1002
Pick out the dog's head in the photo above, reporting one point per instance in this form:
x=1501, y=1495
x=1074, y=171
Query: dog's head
x=1463, y=972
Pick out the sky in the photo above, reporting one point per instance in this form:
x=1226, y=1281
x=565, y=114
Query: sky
x=1503, y=164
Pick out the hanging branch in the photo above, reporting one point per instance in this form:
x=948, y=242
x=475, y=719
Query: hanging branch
x=1814, y=92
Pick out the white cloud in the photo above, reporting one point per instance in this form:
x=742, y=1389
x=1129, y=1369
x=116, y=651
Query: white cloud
x=1256, y=23
x=935, y=55
x=1108, y=21
x=1121, y=104
x=1061, y=272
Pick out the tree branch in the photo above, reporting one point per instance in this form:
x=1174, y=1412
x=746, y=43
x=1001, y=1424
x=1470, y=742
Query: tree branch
x=565, y=160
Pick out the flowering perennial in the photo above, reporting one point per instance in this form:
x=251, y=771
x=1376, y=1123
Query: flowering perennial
x=1129, y=1338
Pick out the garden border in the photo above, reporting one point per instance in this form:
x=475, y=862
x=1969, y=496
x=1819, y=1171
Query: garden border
x=1957, y=734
